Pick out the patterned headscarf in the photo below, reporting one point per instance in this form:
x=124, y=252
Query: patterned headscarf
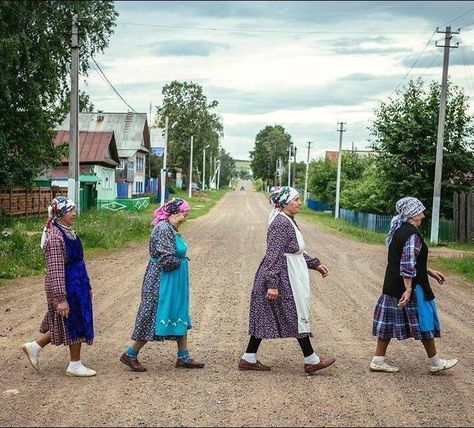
x=406, y=208
x=58, y=208
x=279, y=198
x=175, y=206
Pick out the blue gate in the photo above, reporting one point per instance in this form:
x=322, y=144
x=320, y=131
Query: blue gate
x=122, y=190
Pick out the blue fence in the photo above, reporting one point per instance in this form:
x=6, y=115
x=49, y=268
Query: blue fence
x=375, y=222
x=122, y=190
x=318, y=205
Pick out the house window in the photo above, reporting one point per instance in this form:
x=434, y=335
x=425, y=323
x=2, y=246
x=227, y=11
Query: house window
x=130, y=165
x=139, y=164
x=121, y=164
x=139, y=187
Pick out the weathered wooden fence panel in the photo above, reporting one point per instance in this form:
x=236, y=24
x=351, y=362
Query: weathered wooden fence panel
x=463, y=215
x=22, y=202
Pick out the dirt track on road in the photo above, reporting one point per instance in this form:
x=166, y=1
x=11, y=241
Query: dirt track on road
x=226, y=247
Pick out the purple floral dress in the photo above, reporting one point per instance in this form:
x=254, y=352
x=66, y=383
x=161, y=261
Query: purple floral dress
x=272, y=319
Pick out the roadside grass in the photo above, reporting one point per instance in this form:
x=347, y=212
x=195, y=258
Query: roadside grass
x=99, y=230
x=462, y=265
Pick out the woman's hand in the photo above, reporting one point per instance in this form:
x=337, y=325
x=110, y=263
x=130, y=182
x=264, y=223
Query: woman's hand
x=436, y=275
x=323, y=270
x=405, y=298
x=272, y=293
x=63, y=309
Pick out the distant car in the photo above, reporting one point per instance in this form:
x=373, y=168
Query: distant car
x=195, y=186
x=242, y=188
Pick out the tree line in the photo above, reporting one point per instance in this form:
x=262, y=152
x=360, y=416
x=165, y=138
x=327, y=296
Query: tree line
x=35, y=89
x=403, y=139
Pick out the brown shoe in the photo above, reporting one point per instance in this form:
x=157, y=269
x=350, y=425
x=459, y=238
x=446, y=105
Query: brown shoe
x=133, y=363
x=258, y=366
x=191, y=363
x=323, y=363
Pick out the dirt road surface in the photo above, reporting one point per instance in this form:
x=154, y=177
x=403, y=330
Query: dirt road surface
x=226, y=247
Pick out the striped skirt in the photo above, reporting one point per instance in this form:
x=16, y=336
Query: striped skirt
x=390, y=321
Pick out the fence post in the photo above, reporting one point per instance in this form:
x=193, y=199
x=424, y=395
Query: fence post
x=456, y=215
x=470, y=218
x=462, y=217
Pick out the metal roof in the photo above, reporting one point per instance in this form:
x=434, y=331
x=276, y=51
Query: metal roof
x=95, y=147
x=130, y=129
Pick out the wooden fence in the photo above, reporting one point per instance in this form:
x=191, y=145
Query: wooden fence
x=21, y=202
x=463, y=215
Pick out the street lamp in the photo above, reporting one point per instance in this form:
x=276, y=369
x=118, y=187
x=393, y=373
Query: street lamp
x=191, y=167
x=204, y=167
x=163, y=170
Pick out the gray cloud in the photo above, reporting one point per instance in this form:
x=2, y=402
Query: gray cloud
x=185, y=48
x=434, y=59
x=350, y=90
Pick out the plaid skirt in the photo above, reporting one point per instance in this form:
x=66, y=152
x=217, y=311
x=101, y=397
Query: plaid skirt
x=390, y=321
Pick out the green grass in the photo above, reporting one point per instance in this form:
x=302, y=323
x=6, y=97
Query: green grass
x=99, y=230
x=463, y=266
x=327, y=222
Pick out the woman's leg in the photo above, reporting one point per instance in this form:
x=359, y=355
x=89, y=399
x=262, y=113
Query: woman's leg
x=381, y=347
x=430, y=347
x=249, y=359
x=183, y=359
x=437, y=364
x=76, y=368
x=75, y=351
x=44, y=339
x=130, y=356
x=378, y=363
x=32, y=349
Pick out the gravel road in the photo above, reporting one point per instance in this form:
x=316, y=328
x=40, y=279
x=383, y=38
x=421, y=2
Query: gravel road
x=226, y=247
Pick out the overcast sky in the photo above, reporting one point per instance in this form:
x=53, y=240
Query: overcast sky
x=304, y=65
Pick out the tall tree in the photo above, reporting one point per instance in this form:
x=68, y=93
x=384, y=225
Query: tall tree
x=271, y=143
x=404, y=134
x=35, y=61
x=186, y=104
x=227, y=168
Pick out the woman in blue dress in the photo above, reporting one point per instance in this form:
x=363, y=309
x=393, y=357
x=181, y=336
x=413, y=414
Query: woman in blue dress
x=163, y=313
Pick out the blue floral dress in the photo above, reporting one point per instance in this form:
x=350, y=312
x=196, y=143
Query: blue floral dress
x=168, y=265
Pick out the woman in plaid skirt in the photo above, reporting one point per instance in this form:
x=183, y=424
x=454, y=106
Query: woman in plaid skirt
x=68, y=320
x=407, y=306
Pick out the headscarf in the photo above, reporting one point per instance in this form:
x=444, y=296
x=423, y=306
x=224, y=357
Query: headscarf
x=280, y=198
x=175, y=206
x=406, y=208
x=58, y=208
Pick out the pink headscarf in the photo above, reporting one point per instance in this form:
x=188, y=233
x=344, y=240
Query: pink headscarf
x=175, y=206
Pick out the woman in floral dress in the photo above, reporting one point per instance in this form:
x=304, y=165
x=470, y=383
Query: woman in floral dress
x=164, y=308
x=279, y=305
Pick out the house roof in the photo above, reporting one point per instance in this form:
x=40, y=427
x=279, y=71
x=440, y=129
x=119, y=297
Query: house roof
x=95, y=147
x=130, y=129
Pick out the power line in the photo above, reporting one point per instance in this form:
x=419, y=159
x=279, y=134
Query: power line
x=457, y=17
x=237, y=30
x=416, y=61
x=112, y=86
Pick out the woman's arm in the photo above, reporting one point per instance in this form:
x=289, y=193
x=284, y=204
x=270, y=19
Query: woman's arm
x=55, y=256
x=436, y=275
x=163, y=246
x=410, y=252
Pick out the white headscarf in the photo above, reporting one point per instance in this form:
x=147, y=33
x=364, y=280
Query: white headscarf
x=406, y=208
x=279, y=198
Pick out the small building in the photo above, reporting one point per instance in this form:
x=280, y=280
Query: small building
x=98, y=159
x=332, y=155
x=132, y=138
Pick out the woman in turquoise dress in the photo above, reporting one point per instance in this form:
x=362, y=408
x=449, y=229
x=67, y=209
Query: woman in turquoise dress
x=163, y=313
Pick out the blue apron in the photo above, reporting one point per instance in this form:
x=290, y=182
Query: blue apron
x=427, y=312
x=79, y=323
x=172, y=317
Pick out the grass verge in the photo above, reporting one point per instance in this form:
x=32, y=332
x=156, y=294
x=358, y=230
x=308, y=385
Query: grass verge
x=99, y=230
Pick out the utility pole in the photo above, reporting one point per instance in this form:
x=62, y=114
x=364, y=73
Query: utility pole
x=204, y=167
x=191, y=167
x=440, y=140
x=294, y=167
x=149, y=158
x=163, y=170
x=289, y=163
x=306, y=176
x=73, y=184
x=339, y=163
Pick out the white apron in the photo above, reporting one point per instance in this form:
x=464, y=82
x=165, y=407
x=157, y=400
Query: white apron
x=299, y=281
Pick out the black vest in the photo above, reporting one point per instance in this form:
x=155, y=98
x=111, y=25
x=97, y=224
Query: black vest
x=393, y=283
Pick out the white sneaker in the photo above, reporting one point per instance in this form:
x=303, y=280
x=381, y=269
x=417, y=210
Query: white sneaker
x=443, y=365
x=80, y=372
x=383, y=367
x=26, y=347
